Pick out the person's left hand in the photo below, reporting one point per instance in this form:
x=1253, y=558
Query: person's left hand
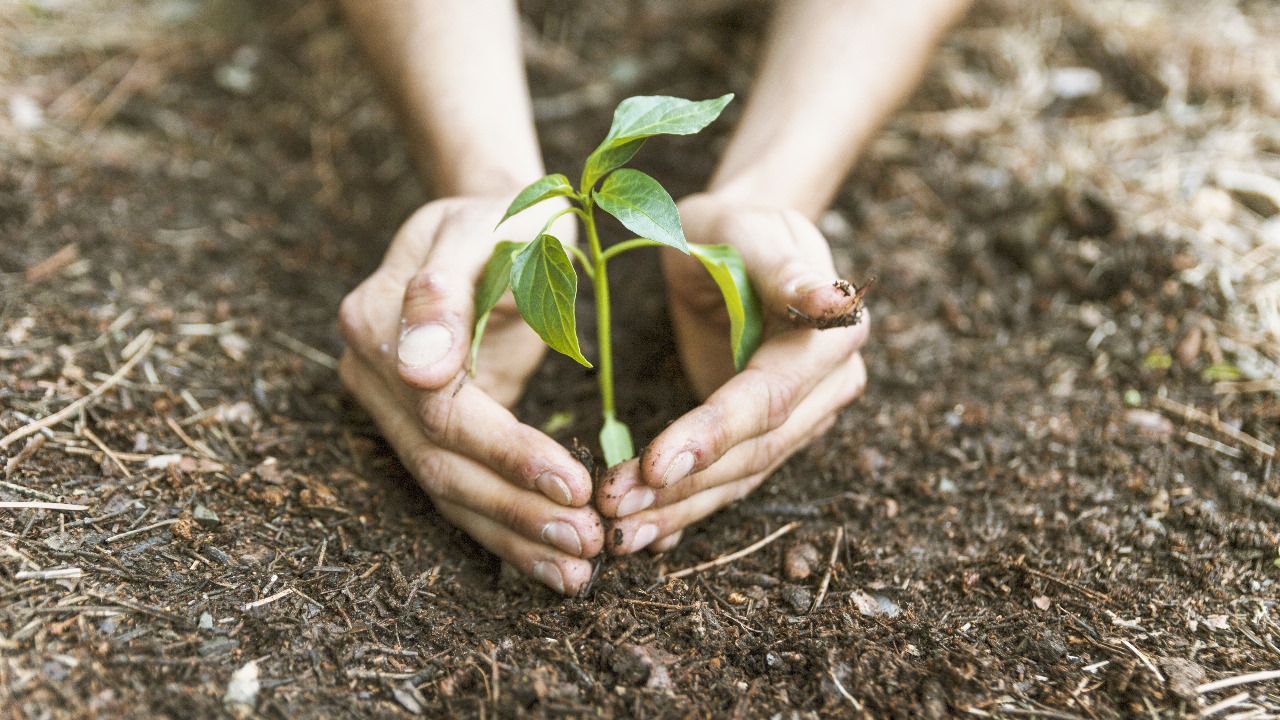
x=788, y=395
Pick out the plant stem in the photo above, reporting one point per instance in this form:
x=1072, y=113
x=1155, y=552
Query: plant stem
x=601, y=284
x=627, y=245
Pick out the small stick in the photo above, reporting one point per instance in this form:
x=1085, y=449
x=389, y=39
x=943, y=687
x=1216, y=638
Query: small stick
x=726, y=559
x=1145, y=660
x=56, y=574
x=1230, y=702
x=840, y=686
x=29, y=491
x=41, y=505
x=23, y=455
x=1196, y=438
x=1197, y=415
x=144, y=528
x=1092, y=594
x=110, y=453
x=1238, y=680
x=322, y=359
x=831, y=564
x=266, y=600
x=191, y=442
x=75, y=407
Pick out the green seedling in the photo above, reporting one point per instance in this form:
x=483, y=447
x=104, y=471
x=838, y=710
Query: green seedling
x=540, y=272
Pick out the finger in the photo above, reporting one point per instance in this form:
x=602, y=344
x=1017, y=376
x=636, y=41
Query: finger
x=781, y=374
x=558, y=571
x=639, y=531
x=469, y=423
x=438, y=308
x=622, y=492
x=666, y=544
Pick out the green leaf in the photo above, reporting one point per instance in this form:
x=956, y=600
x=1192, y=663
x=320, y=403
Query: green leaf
x=544, y=189
x=604, y=159
x=545, y=286
x=746, y=323
x=642, y=117
x=615, y=440
x=493, y=283
x=650, y=115
x=643, y=206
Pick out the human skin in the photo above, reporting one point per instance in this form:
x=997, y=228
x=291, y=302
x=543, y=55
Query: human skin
x=470, y=129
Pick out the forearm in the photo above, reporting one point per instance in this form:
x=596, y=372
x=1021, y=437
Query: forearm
x=832, y=72
x=453, y=71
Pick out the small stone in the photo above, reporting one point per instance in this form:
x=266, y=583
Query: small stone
x=205, y=516
x=1042, y=602
x=242, y=691
x=798, y=597
x=799, y=560
x=206, y=621
x=217, y=646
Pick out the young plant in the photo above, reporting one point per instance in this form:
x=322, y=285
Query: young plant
x=540, y=272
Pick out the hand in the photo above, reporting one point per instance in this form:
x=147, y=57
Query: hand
x=408, y=332
x=788, y=395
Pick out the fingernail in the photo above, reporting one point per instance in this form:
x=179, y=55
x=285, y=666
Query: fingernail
x=553, y=487
x=809, y=283
x=425, y=344
x=549, y=574
x=563, y=536
x=678, y=469
x=635, y=501
x=645, y=535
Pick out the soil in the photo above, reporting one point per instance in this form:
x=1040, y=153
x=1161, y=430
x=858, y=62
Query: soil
x=1042, y=507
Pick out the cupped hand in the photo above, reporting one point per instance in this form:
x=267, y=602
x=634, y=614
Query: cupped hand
x=408, y=331
x=750, y=422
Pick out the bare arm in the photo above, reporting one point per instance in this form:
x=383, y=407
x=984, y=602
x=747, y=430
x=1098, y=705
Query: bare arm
x=453, y=70
x=832, y=72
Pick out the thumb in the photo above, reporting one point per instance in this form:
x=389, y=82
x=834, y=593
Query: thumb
x=435, y=325
x=790, y=263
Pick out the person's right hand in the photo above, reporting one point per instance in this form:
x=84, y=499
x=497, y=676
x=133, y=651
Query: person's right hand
x=408, y=331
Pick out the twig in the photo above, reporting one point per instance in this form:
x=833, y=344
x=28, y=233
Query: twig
x=144, y=528
x=266, y=600
x=726, y=559
x=831, y=564
x=41, y=505
x=190, y=441
x=75, y=407
x=55, y=574
x=840, y=686
x=110, y=453
x=1230, y=702
x=23, y=455
x=1238, y=680
x=1196, y=438
x=1197, y=415
x=1145, y=660
x=1036, y=712
x=320, y=358
x=29, y=491
x=1092, y=594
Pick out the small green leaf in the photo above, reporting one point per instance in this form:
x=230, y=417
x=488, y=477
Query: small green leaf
x=615, y=440
x=544, y=189
x=545, y=286
x=606, y=158
x=642, y=117
x=493, y=283
x=649, y=115
x=643, y=206
x=746, y=323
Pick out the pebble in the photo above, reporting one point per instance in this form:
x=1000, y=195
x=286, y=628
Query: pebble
x=799, y=560
x=797, y=597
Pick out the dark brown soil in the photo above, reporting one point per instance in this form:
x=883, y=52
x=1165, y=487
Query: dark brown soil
x=1031, y=525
